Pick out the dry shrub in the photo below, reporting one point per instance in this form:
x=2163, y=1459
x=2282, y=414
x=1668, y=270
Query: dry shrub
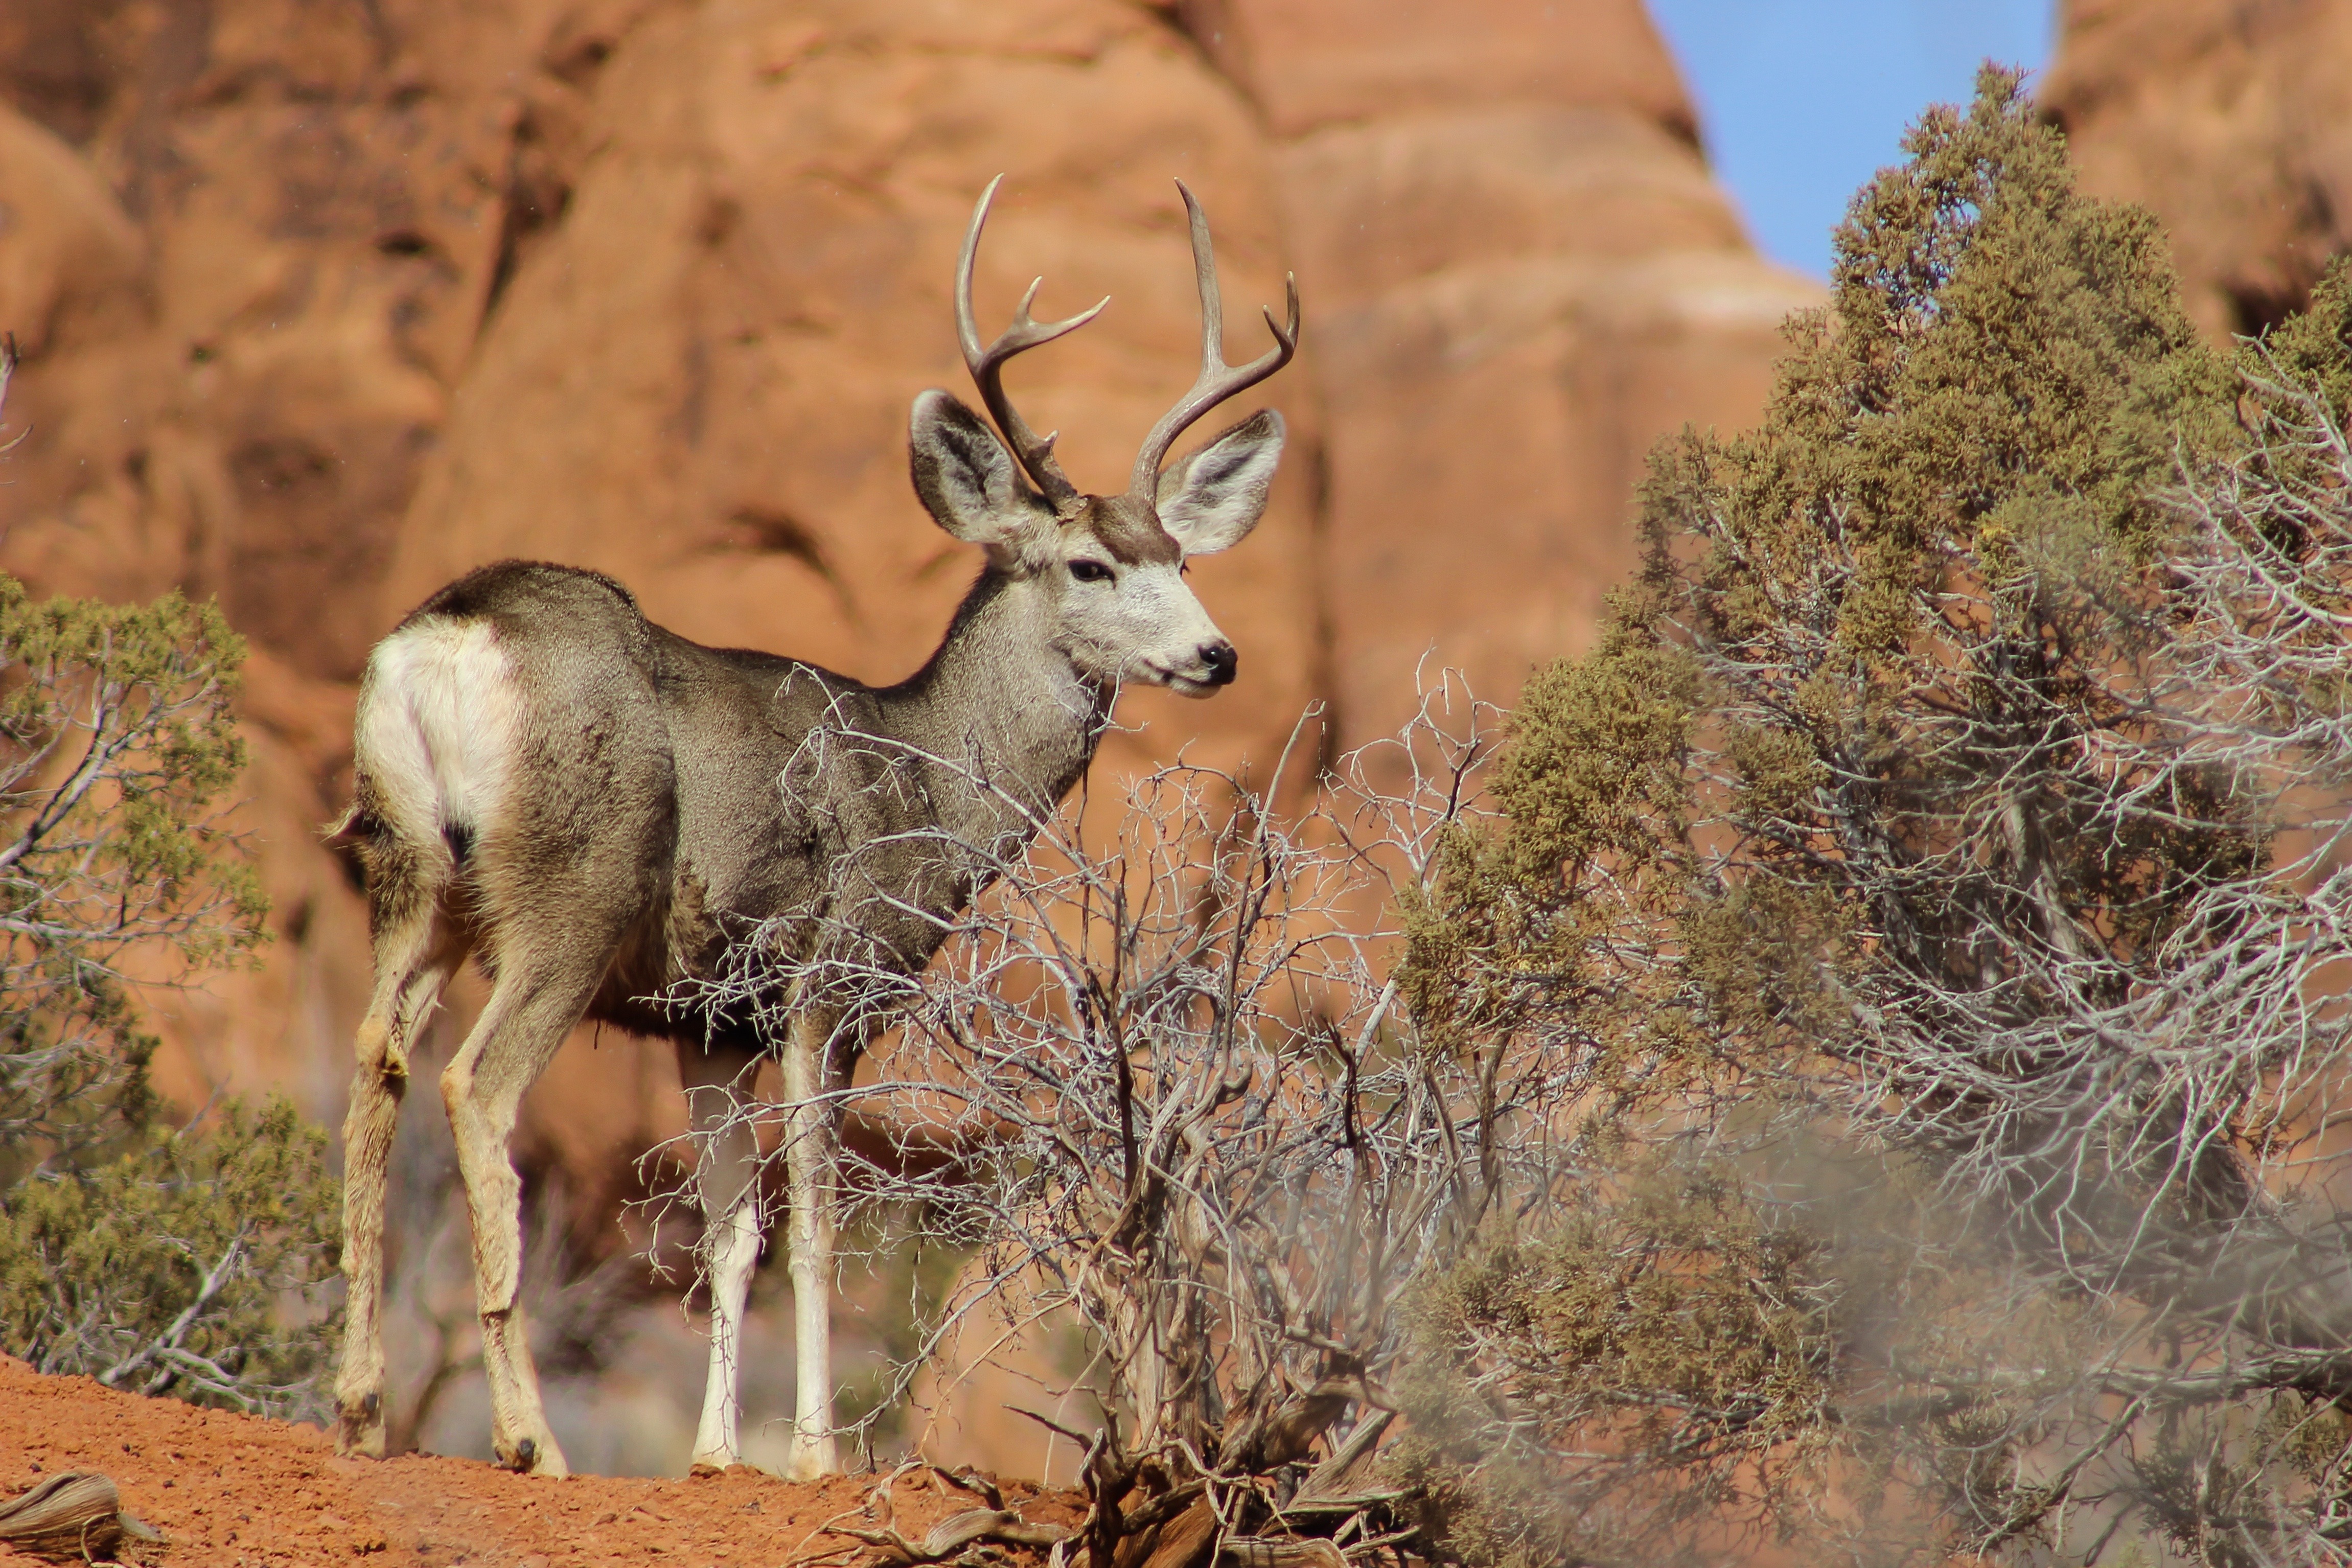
x=1155, y=1104
x=1858, y=1074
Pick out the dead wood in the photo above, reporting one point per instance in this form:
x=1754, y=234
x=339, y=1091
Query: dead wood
x=952, y=1537
x=1188, y=1540
x=1279, y=1552
x=1337, y=1476
x=73, y=1518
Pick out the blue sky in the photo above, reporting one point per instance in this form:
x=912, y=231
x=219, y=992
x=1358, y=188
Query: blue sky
x=1801, y=100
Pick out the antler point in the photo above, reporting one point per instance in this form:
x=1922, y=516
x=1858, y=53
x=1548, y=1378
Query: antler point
x=987, y=362
x=1217, y=380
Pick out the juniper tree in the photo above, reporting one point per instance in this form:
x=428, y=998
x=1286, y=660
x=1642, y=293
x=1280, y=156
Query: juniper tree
x=147, y=1256
x=116, y=741
x=1937, y=868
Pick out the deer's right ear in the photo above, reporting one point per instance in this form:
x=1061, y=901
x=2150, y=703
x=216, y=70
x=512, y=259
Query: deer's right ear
x=963, y=474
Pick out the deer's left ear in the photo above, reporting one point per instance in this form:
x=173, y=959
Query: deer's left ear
x=1210, y=499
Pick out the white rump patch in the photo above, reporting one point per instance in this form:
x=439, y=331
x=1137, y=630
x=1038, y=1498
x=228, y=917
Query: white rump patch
x=439, y=716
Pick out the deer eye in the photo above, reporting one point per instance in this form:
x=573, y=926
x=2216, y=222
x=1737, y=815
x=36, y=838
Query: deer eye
x=1090, y=572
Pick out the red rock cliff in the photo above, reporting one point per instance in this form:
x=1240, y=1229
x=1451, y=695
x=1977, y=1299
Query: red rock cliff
x=1524, y=276
x=2231, y=120
x=326, y=303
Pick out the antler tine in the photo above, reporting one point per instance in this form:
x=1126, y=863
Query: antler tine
x=1218, y=381
x=987, y=365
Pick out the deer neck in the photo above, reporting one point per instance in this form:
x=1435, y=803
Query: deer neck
x=1000, y=714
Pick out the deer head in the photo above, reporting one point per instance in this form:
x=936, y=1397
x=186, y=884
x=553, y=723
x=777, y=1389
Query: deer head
x=1108, y=570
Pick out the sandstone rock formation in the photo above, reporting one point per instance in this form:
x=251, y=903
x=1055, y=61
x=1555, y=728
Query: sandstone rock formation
x=700, y=379
x=1523, y=276
x=2232, y=122
x=331, y=303
x=324, y=303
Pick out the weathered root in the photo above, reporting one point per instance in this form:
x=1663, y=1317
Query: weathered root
x=74, y=1518
x=959, y=1538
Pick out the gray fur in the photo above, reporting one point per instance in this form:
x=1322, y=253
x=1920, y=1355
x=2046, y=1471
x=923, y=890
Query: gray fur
x=610, y=818
x=665, y=801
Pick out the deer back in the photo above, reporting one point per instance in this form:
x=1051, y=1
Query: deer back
x=535, y=753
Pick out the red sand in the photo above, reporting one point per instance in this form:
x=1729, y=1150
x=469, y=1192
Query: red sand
x=228, y=1490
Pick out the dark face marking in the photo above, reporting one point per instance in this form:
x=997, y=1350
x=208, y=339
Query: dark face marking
x=1130, y=531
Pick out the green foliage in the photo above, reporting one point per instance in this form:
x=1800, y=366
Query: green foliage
x=166, y=1262
x=1959, y=788
x=1664, y=1340
x=1596, y=757
x=1838, y=721
x=117, y=740
x=188, y=1265
x=2308, y=349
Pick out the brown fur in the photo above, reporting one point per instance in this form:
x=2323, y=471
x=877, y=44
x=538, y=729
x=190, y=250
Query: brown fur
x=602, y=815
x=651, y=836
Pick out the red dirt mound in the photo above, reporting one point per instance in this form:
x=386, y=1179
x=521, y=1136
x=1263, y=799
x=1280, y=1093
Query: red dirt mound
x=230, y=1491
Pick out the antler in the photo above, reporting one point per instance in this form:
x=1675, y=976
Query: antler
x=1218, y=381
x=987, y=365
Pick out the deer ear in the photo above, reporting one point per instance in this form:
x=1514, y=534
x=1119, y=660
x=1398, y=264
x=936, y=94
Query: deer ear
x=963, y=474
x=1210, y=499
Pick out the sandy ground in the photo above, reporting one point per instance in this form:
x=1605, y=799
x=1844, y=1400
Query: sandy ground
x=229, y=1490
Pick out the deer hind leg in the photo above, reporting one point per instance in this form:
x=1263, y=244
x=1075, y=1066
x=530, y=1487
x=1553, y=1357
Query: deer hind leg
x=543, y=987
x=717, y=1078
x=811, y=1148
x=417, y=948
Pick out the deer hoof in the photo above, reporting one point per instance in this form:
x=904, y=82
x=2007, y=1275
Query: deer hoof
x=534, y=1457
x=359, y=1427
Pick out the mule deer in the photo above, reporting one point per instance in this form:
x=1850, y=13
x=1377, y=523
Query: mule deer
x=597, y=810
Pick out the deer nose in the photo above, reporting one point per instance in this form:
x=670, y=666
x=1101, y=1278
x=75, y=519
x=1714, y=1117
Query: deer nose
x=1222, y=661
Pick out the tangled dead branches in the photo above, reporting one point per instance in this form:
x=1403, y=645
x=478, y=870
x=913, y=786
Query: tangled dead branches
x=1154, y=1098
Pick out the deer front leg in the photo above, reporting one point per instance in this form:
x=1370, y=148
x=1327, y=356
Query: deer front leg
x=716, y=1078
x=812, y=1134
